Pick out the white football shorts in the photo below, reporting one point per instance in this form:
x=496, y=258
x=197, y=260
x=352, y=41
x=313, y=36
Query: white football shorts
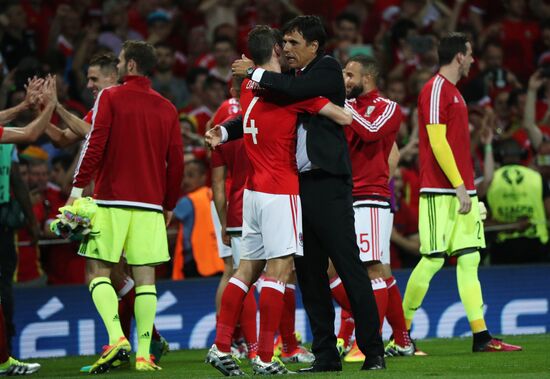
x=373, y=226
x=272, y=226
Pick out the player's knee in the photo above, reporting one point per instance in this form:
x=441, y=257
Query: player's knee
x=375, y=270
x=433, y=264
x=280, y=269
x=227, y=267
x=249, y=271
x=469, y=261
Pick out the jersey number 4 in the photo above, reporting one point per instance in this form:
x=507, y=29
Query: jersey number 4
x=252, y=128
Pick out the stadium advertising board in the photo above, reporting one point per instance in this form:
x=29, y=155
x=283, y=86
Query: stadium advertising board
x=60, y=321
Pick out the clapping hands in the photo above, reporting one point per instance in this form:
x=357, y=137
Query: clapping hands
x=41, y=91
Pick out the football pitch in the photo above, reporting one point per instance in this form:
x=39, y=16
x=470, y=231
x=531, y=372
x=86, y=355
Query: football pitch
x=448, y=358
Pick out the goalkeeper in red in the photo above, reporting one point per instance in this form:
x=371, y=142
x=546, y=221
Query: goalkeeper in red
x=449, y=219
x=136, y=148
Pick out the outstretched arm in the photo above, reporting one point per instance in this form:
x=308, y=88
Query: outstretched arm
x=78, y=126
x=337, y=114
x=61, y=137
x=30, y=132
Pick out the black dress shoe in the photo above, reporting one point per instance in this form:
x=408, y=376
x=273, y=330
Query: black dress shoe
x=376, y=363
x=322, y=367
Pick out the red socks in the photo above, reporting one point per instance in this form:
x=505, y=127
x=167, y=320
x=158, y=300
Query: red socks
x=288, y=319
x=248, y=323
x=347, y=326
x=230, y=310
x=395, y=315
x=381, y=296
x=339, y=293
x=347, y=323
x=271, y=307
x=127, y=295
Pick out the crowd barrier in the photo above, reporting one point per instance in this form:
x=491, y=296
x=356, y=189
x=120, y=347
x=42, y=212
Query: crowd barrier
x=60, y=321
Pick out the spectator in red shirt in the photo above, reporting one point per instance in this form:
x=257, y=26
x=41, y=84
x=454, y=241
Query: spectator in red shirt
x=518, y=36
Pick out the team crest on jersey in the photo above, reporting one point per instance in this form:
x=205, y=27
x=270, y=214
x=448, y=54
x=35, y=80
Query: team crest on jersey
x=455, y=99
x=369, y=111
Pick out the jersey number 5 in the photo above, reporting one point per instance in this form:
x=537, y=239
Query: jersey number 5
x=252, y=129
x=364, y=244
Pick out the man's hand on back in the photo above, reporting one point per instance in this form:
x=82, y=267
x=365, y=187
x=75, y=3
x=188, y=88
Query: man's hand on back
x=240, y=65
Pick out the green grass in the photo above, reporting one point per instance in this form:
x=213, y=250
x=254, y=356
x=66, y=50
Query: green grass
x=448, y=358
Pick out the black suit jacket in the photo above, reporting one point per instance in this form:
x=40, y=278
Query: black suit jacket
x=326, y=144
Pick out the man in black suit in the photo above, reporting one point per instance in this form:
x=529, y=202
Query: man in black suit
x=325, y=192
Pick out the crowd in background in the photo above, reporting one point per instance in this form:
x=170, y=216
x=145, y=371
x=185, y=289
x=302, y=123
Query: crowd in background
x=507, y=91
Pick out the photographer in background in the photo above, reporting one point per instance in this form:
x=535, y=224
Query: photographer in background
x=492, y=77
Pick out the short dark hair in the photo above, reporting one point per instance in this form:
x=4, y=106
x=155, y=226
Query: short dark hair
x=450, y=46
x=142, y=53
x=509, y=151
x=400, y=30
x=65, y=160
x=350, y=17
x=261, y=40
x=105, y=61
x=201, y=165
x=370, y=64
x=310, y=27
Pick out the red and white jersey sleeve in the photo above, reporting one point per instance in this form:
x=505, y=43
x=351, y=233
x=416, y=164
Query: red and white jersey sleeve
x=440, y=102
x=1, y=131
x=376, y=121
x=270, y=140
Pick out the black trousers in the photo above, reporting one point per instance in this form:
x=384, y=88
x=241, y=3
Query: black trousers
x=329, y=232
x=8, y=263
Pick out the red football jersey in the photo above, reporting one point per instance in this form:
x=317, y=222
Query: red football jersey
x=233, y=156
x=229, y=109
x=270, y=139
x=371, y=135
x=440, y=102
